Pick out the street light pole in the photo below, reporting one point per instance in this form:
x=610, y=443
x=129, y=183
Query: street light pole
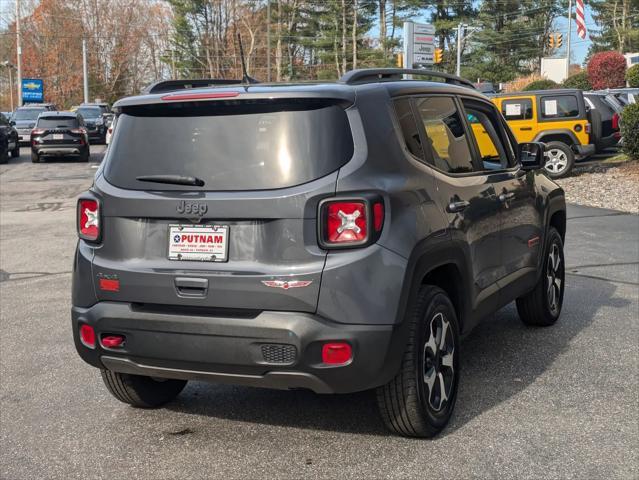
x=18, y=54
x=84, y=70
x=459, y=44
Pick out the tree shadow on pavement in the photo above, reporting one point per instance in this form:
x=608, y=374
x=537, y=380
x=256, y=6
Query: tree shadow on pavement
x=500, y=358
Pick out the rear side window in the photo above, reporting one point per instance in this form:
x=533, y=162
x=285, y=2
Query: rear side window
x=409, y=127
x=230, y=145
x=517, y=109
x=559, y=106
x=58, y=122
x=446, y=137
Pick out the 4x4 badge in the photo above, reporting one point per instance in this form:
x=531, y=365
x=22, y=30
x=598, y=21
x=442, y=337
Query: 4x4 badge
x=192, y=208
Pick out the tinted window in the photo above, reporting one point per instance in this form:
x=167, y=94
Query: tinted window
x=89, y=112
x=485, y=128
x=517, y=109
x=236, y=145
x=447, y=142
x=560, y=106
x=409, y=127
x=58, y=122
x=27, y=114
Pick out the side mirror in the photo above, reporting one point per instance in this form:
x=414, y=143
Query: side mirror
x=532, y=155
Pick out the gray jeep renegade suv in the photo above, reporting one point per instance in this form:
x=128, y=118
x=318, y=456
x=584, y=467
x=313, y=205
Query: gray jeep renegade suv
x=333, y=237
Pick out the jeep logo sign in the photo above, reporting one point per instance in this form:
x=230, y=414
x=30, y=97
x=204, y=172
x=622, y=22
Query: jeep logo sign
x=192, y=208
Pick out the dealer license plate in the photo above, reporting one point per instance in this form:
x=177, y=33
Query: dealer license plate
x=201, y=243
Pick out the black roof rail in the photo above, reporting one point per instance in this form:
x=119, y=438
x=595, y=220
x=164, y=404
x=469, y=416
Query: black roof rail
x=172, y=85
x=370, y=75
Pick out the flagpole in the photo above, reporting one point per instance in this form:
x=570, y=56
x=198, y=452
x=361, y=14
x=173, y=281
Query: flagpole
x=569, y=35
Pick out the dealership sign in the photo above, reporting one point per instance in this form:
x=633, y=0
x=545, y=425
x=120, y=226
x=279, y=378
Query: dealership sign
x=32, y=90
x=419, y=44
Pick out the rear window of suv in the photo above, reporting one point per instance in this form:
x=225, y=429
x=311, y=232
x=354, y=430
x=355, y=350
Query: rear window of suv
x=58, y=122
x=27, y=114
x=230, y=145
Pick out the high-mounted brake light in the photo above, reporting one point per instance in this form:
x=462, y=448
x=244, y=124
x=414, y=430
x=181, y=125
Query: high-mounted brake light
x=351, y=222
x=198, y=96
x=88, y=219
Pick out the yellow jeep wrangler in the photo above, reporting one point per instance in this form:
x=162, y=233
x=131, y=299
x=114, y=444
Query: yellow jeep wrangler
x=559, y=118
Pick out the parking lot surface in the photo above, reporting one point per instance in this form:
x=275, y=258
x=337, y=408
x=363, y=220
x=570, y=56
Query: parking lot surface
x=533, y=403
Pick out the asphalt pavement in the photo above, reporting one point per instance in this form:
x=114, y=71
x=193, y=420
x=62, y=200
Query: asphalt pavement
x=559, y=402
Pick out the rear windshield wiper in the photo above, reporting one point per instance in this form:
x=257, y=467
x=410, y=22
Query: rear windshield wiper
x=172, y=179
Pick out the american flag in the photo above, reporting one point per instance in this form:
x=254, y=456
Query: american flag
x=581, y=22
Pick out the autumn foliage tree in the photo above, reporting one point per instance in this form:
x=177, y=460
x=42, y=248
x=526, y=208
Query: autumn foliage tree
x=607, y=70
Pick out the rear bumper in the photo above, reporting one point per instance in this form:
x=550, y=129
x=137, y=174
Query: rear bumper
x=268, y=349
x=58, y=150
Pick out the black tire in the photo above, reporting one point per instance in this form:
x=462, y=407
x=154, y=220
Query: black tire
x=536, y=308
x=15, y=153
x=141, y=392
x=85, y=156
x=405, y=403
x=556, y=154
x=35, y=158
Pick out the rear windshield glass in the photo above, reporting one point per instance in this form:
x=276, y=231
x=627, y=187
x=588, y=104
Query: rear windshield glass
x=89, y=112
x=58, y=122
x=237, y=145
x=27, y=114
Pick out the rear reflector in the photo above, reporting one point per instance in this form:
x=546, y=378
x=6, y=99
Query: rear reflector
x=378, y=216
x=109, y=285
x=88, y=219
x=336, y=353
x=87, y=335
x=198, y=96
x=113, y=341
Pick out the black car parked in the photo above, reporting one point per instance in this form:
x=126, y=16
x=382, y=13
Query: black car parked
x=11, y=134
x=59, y=134
x=605, y=121
x=95, y=121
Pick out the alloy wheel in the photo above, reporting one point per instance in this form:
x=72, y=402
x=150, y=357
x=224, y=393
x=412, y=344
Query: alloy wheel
x=439, y=362
x=554, y=279
x=556, y=161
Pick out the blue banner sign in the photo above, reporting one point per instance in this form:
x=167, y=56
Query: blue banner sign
x=32, y=90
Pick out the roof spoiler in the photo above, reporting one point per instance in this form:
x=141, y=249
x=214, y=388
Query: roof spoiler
x=172, y=85
x=372, y=75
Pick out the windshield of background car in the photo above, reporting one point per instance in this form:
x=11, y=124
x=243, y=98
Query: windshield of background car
x=58, y=122
x=27, y=114
x=89, y=112
x=230, y=145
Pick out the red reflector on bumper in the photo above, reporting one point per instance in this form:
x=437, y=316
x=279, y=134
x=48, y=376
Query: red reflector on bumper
x=87, y=336
x=109, y=285
x=113, y=341
x=336, y=353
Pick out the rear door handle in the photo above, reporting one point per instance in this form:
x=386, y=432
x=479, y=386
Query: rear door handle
x=504, y=197
x=454, y=207
x=191, y=287
x=525, y=128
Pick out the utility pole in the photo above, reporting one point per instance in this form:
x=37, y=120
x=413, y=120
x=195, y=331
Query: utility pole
x=11, y=85
x=268, y=40
x=84, y=70
x=18, y=54
x=460, y=27
x=568, y=39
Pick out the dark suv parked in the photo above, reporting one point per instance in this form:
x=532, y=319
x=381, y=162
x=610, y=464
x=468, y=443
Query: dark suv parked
x=334, y=237
x=95, y=121
x=59, y=134
x=11, y=134
x=24, y=119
